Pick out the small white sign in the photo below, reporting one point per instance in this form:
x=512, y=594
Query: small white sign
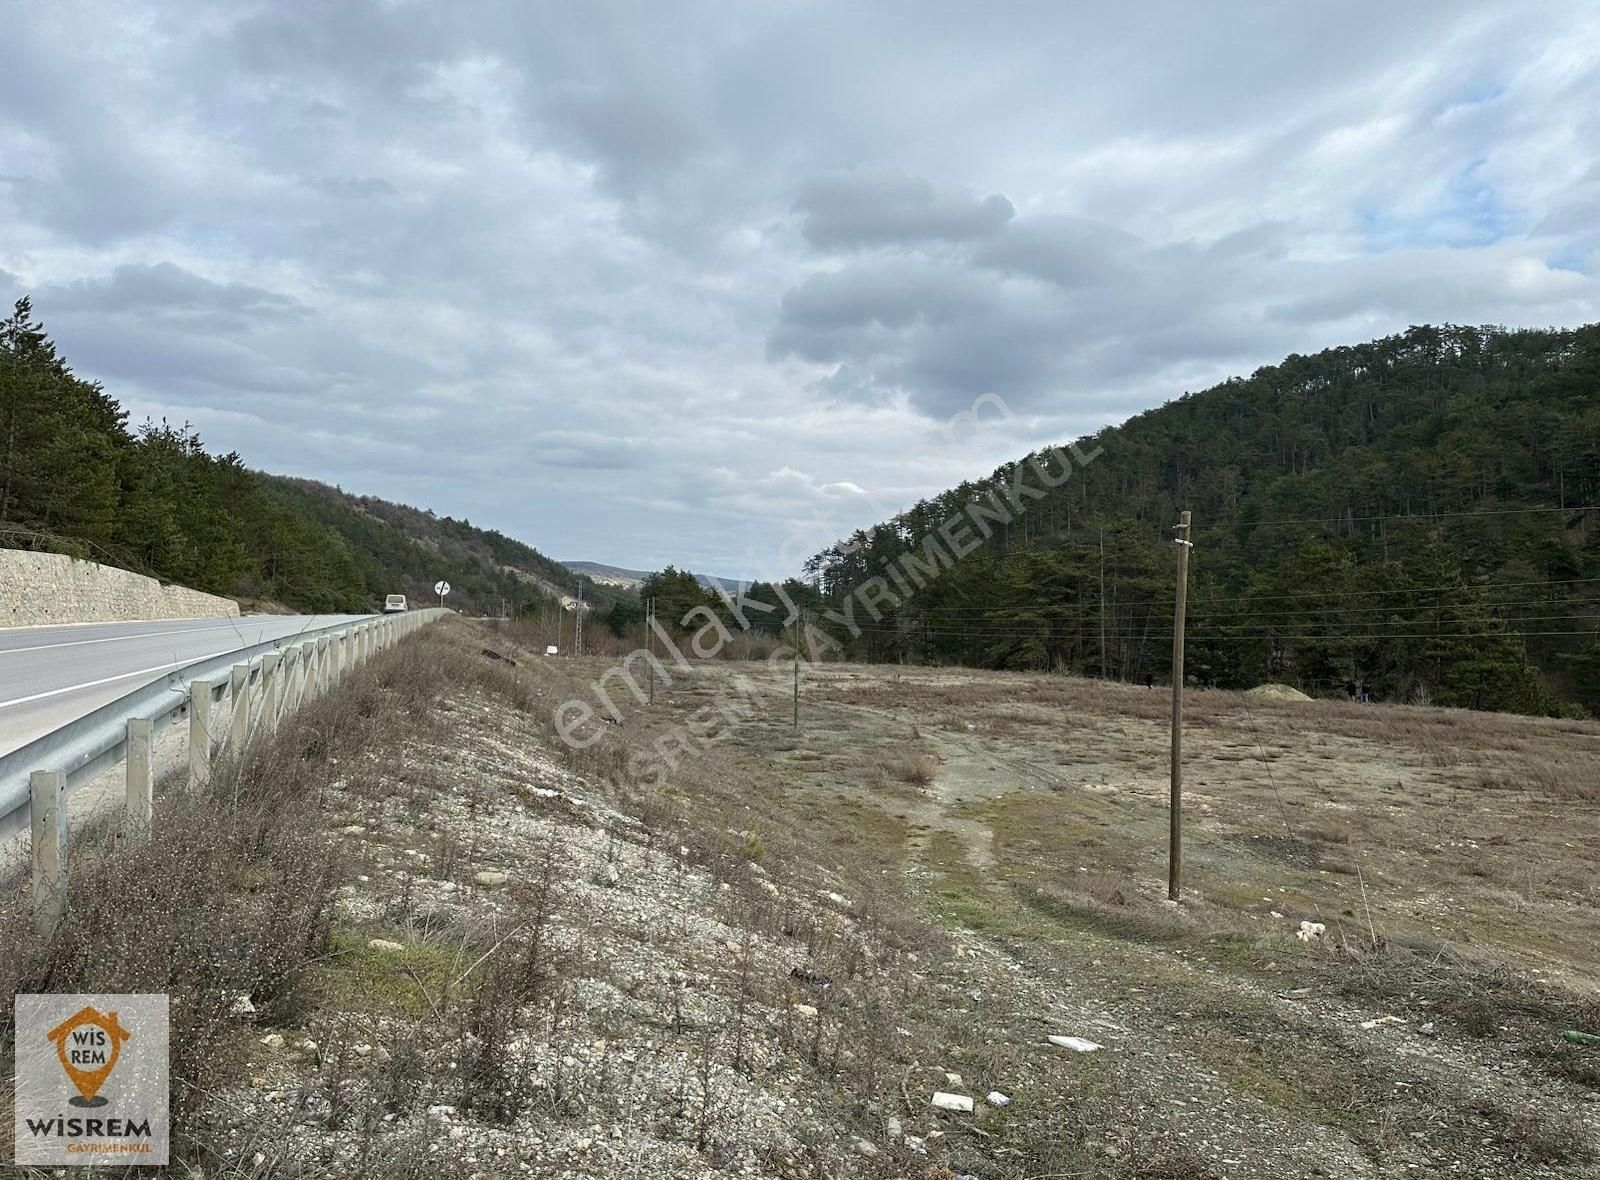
x=441, y=588
x=91, y=1080
x=550, y=649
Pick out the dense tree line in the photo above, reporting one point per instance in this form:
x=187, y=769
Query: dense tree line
x=1409, y=518
x=760, y=609
x=75, y=478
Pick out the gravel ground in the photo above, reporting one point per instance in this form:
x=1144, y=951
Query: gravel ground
x=771, y=967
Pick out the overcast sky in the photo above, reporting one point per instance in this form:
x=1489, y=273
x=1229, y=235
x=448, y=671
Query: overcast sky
x=677, y=282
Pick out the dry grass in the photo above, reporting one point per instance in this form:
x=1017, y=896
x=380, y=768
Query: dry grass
x=230, y=894
x=1428, y=842
x=915, y=769
x=1033, y=841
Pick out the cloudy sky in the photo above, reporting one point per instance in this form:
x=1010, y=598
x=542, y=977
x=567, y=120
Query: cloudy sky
x=685, y=282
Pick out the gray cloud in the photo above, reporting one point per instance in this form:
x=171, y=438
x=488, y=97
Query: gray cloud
x=652, y=284
x=167, y=290
x=871, y=209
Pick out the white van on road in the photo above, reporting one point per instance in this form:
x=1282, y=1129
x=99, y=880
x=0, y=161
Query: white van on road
x=394, y=604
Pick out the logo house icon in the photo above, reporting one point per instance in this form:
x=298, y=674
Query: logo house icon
x=88, y=1044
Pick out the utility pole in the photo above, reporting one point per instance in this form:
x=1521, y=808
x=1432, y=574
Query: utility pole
x=1175, y=838
x=1103, y=675
x=798, y=616
x=577, y=624
x=650, y=644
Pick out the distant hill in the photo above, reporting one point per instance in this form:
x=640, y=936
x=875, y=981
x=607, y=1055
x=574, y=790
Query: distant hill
x=615, y=575
x=74, y=478
x=408, y=549
x=1414, y=517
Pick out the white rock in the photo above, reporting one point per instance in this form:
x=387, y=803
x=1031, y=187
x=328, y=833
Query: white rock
x=864, y=1148
x=1311, y=930
x=273, y=1040
x=952, y=1079
x=361, y=1050
x=956, y=1102
x=917, y=1144
x=441, y=1112
x=490, y=878
x=1076, y=1044
x=805, y=1010
x=893, y=1127
x=241, y=1006
x=996, y=1098
x=384, y=944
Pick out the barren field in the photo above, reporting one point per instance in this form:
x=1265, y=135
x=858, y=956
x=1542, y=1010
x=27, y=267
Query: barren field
x=795, y=955
x=1448, y=858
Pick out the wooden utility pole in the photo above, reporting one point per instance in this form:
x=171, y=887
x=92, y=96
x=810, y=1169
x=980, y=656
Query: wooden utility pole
x=577, y=624
x=1175, y=838
x=798, y=616
x=1103, y=673
x=650, y=644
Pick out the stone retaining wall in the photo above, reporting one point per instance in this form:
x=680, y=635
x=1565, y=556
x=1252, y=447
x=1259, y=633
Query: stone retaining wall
x=52, y=588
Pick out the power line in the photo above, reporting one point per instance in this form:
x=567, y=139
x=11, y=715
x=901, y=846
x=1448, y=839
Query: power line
x=1044, y=629
x=1085, y=606
x=1585, y=632
x=1396, y=591
x=1464, y=512
x=1123, y=615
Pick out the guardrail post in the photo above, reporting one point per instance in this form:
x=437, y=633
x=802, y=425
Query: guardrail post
x=239, y=696
x=272, y=690
x=339, y=660
x=47, y=806
x=199, y=733
x=139, y=806
x=291, y=680
x=322, y=665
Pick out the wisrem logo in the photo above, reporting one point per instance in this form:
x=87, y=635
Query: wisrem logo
x=91, y=1053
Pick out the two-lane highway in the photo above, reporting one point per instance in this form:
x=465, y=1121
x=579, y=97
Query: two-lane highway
x=52, y=675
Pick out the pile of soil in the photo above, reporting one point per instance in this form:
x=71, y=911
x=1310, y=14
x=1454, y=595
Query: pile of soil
x=1277, y=692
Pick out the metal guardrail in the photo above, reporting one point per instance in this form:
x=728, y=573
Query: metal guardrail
x=36, y=779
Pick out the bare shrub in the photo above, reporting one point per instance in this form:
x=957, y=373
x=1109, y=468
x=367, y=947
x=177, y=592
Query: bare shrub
x=916, y=769
x=1330, y=832
x=228, y=895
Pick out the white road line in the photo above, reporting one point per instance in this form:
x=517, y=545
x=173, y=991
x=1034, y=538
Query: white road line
x=6, y=651
x=56, y=692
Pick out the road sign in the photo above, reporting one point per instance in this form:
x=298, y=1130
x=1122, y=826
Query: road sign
x=441, y=588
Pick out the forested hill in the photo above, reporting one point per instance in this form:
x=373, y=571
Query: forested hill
x=1414, y=515
x=74, y=478
x=409, y=549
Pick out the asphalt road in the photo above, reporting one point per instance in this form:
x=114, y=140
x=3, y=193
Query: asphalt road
x=52, y=675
